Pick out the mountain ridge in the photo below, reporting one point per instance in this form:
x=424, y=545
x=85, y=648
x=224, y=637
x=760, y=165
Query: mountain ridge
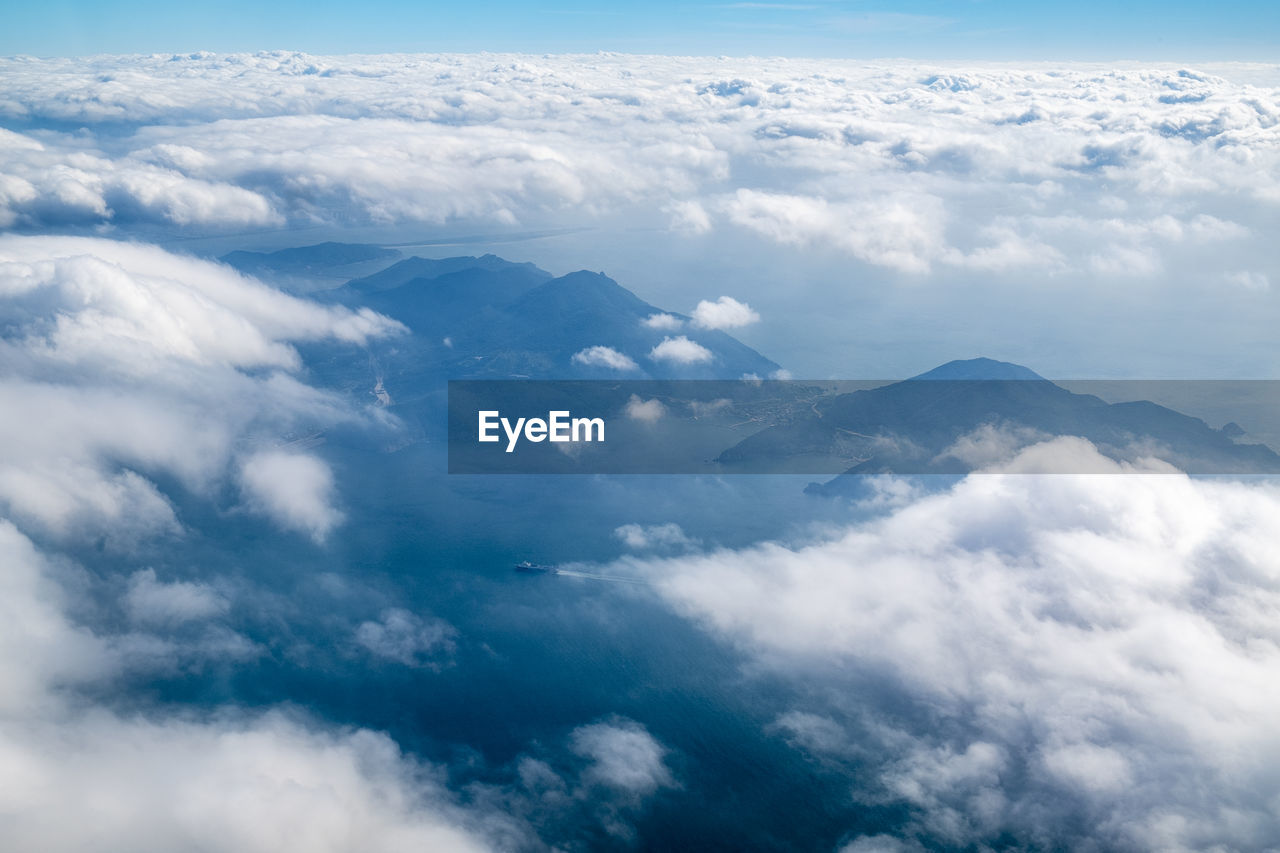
x=913, y=427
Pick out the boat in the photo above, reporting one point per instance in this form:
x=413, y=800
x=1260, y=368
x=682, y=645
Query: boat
x=535, y=568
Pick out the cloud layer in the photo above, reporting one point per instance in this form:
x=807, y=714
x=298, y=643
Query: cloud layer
x=78, y=777
x=143, y=386
x=122, y=366
x=909, y=167
x=129, y=362
x=1030, y=658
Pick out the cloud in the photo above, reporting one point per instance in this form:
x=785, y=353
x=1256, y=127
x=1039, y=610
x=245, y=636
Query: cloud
x=131, y=366
x=666, y=322
x=138, y=382
x=221, y=781
x=640, y=536
x=689, y=216
x=46, y=185
x=725, y=313
x=179, y=360
x=124, y=368
x=40, y=650
x=902, y=233
x=294, y=489
x=222, y=786
x=604, y=357
x=152, y=602
x=603, y=774
x=623, y=756
x=139, y=308
x=1255, y=281
x=407, y=638
x=878, y=844
x=645, y=411
x=991, y=445
x=902, y=166
x=680, y=350
x=1028, y=656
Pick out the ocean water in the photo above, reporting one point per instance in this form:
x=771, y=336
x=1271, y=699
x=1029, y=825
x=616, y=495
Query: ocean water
x=535, y=656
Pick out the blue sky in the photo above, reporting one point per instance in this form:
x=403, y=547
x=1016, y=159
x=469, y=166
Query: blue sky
x=964, y=29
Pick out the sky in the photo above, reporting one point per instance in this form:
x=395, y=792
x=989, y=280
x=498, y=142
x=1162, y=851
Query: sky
x=933, y=29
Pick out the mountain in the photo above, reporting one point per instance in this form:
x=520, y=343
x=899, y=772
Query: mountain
x=980, y=368
x=487, y=317
x=552, y=323
x=450, y=304
x=914, y=426
x=426, y=269
x=312, y=268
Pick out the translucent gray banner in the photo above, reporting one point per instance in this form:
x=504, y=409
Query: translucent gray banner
x=915, y=426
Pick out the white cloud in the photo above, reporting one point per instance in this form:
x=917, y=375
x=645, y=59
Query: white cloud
x=1089, y=767
x=665, y=322
x=600, y=356
x=140, y=308
x=128, y=363
x=152, y=602
x=1255, y=281
x=689, y=216
x=640, y=536
x=1023, y=651
x=878, y=844
x=680, y=350
x=645, y=411
x=226, y=781
x=623, y=766
x=237, y=784
x=725, y=313
x=990, y=445
x=40, y=650
x=902, y=166
x=131, y=368
x=623, y=756
x=294, y=489
x=177, y=360
x=46, y=185
x=903, y=233
x=407, y=638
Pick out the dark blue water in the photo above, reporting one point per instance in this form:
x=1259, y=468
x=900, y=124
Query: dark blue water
x=536, y=655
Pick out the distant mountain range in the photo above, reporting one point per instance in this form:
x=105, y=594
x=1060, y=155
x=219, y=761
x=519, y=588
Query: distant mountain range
x=965, y=414
x=485, y=317
x=489, y=318
x=306, y=269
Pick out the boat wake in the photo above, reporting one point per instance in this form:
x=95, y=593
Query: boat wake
x=592, y=576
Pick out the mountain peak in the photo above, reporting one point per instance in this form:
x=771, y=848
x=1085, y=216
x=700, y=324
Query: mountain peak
x=586, y=276
x=980, y=369
x=415, y=267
